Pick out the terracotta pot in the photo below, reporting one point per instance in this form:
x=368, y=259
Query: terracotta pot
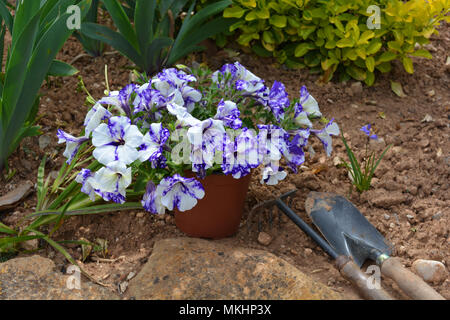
x=219, y=213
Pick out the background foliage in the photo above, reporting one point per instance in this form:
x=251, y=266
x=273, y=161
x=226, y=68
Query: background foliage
x=332, y=36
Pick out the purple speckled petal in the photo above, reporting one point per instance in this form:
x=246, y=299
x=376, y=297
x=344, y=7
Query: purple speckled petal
x=72, y=144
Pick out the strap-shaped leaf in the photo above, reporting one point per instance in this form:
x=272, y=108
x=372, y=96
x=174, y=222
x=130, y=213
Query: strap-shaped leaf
x=114, y=39
x=154, y=58
x=185, y=46
x=144, y=15
x=189, y=25
x=16, y=68
x=61, y=69
x=38, y=66
x=6, y=15
x=50, y=11
x=121, y=21
x=25, y=11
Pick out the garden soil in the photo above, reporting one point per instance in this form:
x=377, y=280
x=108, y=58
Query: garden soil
x=409, y=202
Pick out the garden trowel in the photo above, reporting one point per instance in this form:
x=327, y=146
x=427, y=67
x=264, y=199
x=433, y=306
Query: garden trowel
x=345, y=264
x=351, y=234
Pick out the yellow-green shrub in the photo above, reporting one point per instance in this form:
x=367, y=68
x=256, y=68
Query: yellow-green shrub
x=332, y=35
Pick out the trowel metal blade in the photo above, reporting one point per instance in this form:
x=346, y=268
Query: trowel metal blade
x=345, y=228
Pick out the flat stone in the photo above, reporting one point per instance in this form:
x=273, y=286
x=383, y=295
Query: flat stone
x=35, y=278
x=197, y=269
x=430, y=270
x=10, y=199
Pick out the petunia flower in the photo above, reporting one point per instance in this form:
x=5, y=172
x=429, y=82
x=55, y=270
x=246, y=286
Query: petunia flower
x=151, y=201
x=278, y=100
x=94, y=117
x=367, y=130
x=270, y=143
x=331, y=129
x=170, y=79
x=294, y=149
x=309, y=104
x=149, y=100
x=110, y=182
x=206, y=138
x=85, y=177
x=183, y=116
x=237, y=76
x=301, y=117
x=116, y=141
x=190, y=96
x=120, y=99
x=179, y=192
x=228, y=112
x=152, y=145
x=272, y=175
x=241, y=156
x=72, y=144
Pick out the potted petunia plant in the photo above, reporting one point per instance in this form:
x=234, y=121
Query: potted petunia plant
x=188, y=141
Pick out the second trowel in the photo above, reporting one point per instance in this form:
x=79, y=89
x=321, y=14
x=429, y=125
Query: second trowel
x=351, y=234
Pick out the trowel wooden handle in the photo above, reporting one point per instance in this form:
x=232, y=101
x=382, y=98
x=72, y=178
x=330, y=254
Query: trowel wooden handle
x=353, y=273
x=410, y=283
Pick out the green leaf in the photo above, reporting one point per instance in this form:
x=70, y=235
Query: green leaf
x=370, y=63
x=194, y=37
x=397, y=89
x=356, y=73
x=365, y=37
x=114, y=39
x=6, y=229
x=370, y=78
x=144, y=15
x=91, y=210
x=16, y=68
x=345, y=42
x=384, y=67
x=61, y=69
x=302, y=49
x=408, y=64
x=373, y=47
x=122, y=22
x=234, y=12
x=422, y=53
x=6, y=16
x=278, y=21
x=260, y=51
x=387, y=56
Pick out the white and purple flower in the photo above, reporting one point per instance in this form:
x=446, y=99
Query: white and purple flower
x=111, y=182
x=94, y=117
x=241, y=156
x=85, y=178
x=120, y=99
x=238, y=76
x=72, y=144
x=309, y=104
x=294, y=149
x=228, y=112
x=179, y=192
x=206, y=138
x=272, y=175
x=152, y=145
x=151, y=201
x=271, y=142
x=278, y=100
x=116, y=141
x=331, y=129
